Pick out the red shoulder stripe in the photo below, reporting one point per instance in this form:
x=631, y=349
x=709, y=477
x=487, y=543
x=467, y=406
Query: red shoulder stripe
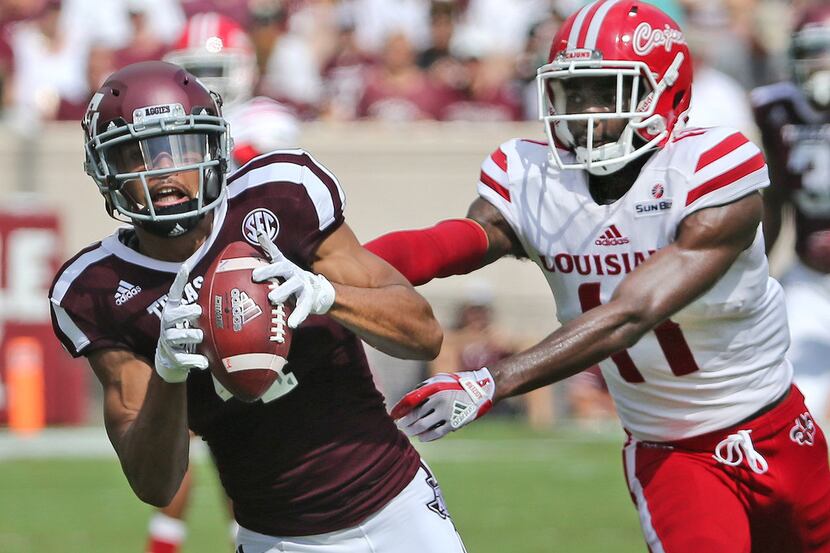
x=500, y=159
x=499, y=189
x=736, y=173
x=730, y=144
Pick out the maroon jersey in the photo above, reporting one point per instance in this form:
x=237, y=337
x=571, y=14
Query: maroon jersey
x=322, y=457
x=797, y=142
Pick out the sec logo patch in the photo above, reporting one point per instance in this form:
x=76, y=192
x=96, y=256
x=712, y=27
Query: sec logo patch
x=260, y=219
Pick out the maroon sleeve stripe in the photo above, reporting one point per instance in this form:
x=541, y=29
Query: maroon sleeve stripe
x=736, y=173
x=730, y=144
x=500, y=159
x=490, y=182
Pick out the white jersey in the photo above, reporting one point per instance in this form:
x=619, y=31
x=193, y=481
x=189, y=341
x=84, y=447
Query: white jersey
x=719, y=359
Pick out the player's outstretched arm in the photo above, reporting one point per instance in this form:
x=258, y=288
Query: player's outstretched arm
x=707, y=244
x=146, y=420
x=451, y=247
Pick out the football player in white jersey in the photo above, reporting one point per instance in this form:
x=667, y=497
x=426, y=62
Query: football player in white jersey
x=218, y=50
x=649, y=235
x=794, y=118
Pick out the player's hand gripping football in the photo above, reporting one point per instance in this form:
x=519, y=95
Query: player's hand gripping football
x=314, y=293
x=444, y=403
x=173, y=360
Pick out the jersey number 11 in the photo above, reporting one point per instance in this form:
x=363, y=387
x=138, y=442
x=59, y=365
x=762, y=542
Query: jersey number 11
x=669, y=336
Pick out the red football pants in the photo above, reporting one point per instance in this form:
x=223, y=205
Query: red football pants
x=689, y=502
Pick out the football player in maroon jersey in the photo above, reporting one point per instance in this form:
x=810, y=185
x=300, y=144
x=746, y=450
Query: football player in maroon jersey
x=794, y=119
x=218, y=51
x=648, y=234
x=317, y=463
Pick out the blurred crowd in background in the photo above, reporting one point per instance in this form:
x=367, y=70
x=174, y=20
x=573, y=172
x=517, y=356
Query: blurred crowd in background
x=397, y=60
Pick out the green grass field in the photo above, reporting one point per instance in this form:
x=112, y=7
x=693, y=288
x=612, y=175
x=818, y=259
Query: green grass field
x=508, y=488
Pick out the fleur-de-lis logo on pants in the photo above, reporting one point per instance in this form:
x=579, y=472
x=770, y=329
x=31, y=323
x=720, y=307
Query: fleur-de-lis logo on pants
x=804, y=431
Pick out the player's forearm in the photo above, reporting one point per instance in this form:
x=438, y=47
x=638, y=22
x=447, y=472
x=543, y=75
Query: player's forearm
x=153, y=448
x=393, y=319
x=574, y=347
x=452, y=247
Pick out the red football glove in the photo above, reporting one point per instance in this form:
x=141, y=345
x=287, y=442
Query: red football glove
x=444, y=403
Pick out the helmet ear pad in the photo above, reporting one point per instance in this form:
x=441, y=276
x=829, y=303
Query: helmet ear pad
x=214, y=177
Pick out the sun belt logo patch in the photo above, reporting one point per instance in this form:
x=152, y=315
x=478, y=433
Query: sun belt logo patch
x=656, y=205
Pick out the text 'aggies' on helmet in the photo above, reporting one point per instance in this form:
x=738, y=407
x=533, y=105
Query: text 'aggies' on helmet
x=157, y=146
x=618, y=82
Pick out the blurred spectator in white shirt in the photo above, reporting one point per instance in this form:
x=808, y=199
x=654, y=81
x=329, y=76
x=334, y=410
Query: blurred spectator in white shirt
x=290, y=70
x=505, y=24
x=48, y=67
x=376, y=20
x=718, y=99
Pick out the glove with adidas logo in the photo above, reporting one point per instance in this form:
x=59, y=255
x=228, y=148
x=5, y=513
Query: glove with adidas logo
x=314, y=293
x=444, y=403
x=174, y=352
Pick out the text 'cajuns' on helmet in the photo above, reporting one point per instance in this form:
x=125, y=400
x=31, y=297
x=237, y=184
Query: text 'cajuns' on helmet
x=637, y=50
x=810, y=54
x=217, y=50
x=148, y=121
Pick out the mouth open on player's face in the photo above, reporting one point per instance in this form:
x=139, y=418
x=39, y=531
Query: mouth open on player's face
x=169, y=193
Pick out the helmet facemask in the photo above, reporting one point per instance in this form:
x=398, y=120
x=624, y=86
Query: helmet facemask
x=164, y=171
x=230, y=73
x=811, y=63
x=619, y=92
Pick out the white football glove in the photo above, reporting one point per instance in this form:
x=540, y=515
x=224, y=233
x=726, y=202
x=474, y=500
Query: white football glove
x=173, y=360
x=444, y=403
x=314, y=293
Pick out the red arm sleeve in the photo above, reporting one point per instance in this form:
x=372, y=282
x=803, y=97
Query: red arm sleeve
x=452, y=247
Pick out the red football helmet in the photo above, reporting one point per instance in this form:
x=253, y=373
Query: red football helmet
x=810, y=54
x=148, y=120
x=218, y=51
x=635, y=58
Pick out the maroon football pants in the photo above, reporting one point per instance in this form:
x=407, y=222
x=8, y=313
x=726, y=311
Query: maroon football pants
x=762, y=491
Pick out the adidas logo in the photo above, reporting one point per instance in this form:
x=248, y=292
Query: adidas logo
x=460, y=412
x=611, y=237
x=243, y=309
x=126, y=292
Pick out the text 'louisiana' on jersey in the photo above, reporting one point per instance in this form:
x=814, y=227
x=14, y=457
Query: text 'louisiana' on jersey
x=797, y=142
x=725, y=351
x=323, y=425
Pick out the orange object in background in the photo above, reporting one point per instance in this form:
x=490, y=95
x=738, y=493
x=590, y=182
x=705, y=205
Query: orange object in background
x=25, y=385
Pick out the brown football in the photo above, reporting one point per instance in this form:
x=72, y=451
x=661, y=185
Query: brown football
x=246, y=339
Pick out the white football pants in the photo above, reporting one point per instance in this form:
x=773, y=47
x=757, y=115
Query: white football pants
x=415, y=521
x=807, y=294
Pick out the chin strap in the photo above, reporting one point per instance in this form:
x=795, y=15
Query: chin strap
x=176, y=227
